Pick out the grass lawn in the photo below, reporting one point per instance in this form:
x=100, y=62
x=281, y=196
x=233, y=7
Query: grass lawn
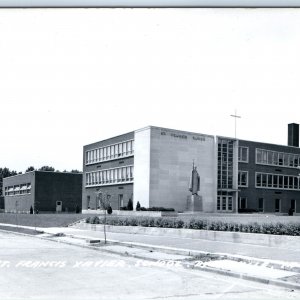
x=42, y=220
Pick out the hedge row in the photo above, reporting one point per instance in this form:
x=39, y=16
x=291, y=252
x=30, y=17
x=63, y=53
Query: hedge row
x=278, y=228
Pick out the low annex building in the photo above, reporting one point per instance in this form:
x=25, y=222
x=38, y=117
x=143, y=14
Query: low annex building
x=43, y=191
x=153, y=165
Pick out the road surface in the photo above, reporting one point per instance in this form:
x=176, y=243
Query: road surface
x=39, y=269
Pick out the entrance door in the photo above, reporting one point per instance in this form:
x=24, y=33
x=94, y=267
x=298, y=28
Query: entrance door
x=58, y=206
x=293, y=205
x=224, y=203
x=120, y=200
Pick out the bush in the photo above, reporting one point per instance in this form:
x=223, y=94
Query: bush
x=199, y=224
x=247, y=210
x=138, y=206
x=130, y=204
x=156, y=209
x=109, y=210
x=77, y=210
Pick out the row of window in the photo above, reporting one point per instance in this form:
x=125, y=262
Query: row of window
x=19, y=189
x=110, y=176
x=109, y=152
x=274, y=158
x=275, y=181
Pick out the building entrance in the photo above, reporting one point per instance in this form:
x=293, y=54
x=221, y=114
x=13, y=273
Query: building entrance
x=224, y=203
x=58, y=206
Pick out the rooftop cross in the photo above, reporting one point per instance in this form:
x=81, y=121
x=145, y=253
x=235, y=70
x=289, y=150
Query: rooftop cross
x=235, y=116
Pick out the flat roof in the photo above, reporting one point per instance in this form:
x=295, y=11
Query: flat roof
x=41, y=171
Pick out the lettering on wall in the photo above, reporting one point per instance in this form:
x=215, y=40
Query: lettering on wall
x=183, y=136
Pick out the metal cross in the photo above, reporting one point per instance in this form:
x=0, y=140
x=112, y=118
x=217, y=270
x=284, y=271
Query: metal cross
x=235, y=116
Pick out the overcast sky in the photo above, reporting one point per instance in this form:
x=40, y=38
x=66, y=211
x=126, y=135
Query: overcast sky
x=71, y=77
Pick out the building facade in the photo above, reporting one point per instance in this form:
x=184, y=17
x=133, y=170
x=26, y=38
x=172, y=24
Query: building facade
x=43, y=191
x=153, y=165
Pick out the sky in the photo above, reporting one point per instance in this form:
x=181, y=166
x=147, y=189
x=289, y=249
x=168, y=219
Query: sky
x=70, y=77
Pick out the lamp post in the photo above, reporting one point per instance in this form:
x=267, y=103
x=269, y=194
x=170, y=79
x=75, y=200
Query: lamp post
x=16, y=205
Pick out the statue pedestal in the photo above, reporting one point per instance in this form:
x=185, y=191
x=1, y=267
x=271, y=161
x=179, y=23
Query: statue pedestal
x=194, y=203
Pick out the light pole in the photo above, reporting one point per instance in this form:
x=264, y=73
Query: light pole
x=16, y=204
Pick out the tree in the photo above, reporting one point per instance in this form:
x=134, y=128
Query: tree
x=130, y=204
x=5, y=172
x=47, y=168
x=104, y=201
x=29, y=169
x=75, y=171
x=138, y=206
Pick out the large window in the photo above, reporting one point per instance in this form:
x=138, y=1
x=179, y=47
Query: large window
x=243, y=154
x=110, y=176
x=277, y=181
x=19, y=189
x=274, y=158
x=109, y=152
x=243, y=178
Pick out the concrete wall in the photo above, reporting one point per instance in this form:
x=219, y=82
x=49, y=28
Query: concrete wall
x=266, y=240
x=24, y=201
x=171, y=157
x=141, y=189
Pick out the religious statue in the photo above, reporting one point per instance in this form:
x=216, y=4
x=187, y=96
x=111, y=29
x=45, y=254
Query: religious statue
x=194, y=186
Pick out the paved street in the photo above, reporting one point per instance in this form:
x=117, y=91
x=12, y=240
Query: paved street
x=40, y=269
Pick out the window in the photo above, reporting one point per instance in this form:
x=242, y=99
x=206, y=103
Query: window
x=109, y=152
x=243, y=178
x=243, y=202
x=243, y=154
x=275, y=158
x=258, y=179
x=110, y=176
x=17, y=190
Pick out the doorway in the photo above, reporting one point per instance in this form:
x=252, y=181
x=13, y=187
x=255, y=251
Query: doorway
x=224, y=203
x=58, y=206
x=293, y=205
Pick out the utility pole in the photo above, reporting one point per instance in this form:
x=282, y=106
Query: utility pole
x=235, y=116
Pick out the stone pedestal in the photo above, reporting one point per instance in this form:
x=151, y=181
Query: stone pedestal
x=194, y=203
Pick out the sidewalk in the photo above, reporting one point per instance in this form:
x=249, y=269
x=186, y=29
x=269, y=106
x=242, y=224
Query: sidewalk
x=257, y=263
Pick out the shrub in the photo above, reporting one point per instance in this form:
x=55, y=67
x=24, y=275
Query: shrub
x=200, y=224
x=138, y=206
x=130, y=204
x=109, y=210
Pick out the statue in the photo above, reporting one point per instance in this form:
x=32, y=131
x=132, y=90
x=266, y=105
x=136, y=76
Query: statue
x=194, y=186
x=194, y=201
